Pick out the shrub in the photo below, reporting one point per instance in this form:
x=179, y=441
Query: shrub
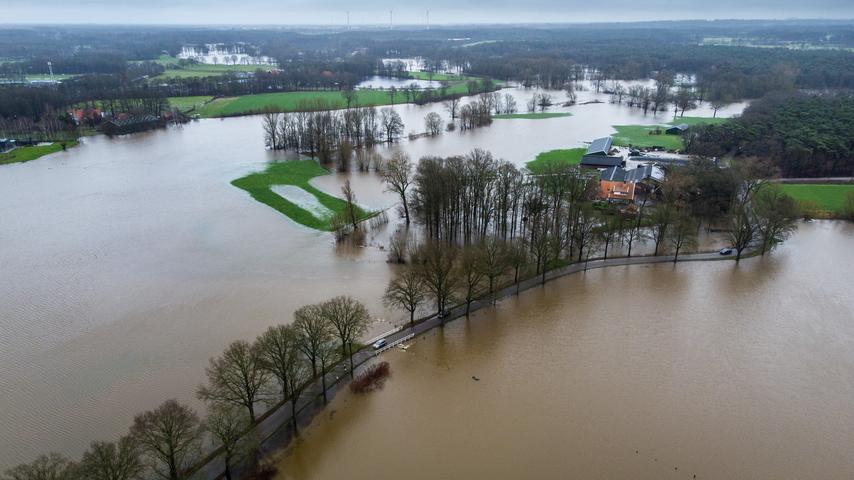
x=373, y=378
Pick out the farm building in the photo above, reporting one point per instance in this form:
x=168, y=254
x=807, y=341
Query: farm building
x=616, y=191
x=598, y=154
x=677, y=129
x=133, y=124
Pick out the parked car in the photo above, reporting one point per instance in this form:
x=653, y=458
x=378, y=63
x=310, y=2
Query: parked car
x=725, y=251
x=379, y=344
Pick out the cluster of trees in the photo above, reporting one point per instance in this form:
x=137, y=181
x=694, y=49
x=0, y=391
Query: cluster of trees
x=485, y=221
x=167, y=442
x=323, y=133
x=803, y=135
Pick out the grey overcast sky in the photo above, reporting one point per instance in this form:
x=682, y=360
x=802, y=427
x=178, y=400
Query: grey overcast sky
x=291, y=12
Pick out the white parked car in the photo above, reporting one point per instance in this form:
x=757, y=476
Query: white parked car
x=725, y=251
x=379, y=344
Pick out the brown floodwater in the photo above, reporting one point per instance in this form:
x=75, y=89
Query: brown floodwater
x=710, y=369
x=127, y=262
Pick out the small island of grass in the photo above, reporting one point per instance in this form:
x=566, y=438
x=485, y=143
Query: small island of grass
x=296, y=174
x=820, y=197
x=568, y=156
x=26, y=154
x=532, y=116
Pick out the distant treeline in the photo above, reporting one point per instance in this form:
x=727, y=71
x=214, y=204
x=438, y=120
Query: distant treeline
x=803, y=135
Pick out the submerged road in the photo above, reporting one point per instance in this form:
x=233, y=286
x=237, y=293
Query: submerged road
x=274, y=429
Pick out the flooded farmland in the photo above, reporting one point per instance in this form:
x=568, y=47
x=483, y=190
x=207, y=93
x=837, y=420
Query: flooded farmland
x=128, y=262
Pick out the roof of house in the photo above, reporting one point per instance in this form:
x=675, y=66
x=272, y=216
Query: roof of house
x=644, y=172
x=600, y=146
x=601, y=161
x=613, y=174
x=616, y=190
x=681, y=127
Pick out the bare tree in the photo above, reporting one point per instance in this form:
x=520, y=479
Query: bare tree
x=350, y=96
x=313, y=331
x=435, y=265
x=471, y=275
x=661, y=219
x=391, y=123
x=433, y=124
x=493, y=262
x=237, y=377
x=742, y=230
x=297, y=377
x=398, y=246
x=397, y=176
x=682, y=234
x=46, y=467
x=349, y=319
x=227, y=426
x=777, y=214
x=327, y=355
x=350, y=198
x=406, y=292
x=518, y=258
x=170, y=436
x=452, y=105
x=112, y=460
x=277, y=348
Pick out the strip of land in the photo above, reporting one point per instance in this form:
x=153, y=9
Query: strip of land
x=561, y=157
x=296, y=173
x=532, y=116
x=651, y=136
x=26, y=154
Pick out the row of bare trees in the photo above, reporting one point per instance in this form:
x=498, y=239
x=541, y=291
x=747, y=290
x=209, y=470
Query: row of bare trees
x=320, y=133
x=167, y=442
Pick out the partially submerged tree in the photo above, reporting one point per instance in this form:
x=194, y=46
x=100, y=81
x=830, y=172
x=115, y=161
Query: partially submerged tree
x=350, y=198
x=53, y=466
x=349, y=319
x=397, y=176
x=313, y=331
x=433, y=123
x=682, y=234
x=406, y=291
x=169, y=435
x=742, y=230
x=777, y=214
x=277, y=348
x=471, y=275
x=237, y=377
x=227, y=426
x=434, y=263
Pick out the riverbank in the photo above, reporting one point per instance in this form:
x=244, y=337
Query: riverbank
x=275, y=432
x=26, y=154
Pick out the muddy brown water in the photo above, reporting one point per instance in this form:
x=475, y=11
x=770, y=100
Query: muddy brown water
x=658, y=371
x=127, y=262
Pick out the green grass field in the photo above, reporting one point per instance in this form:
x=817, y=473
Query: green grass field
x=25, y=154
x=570, y=156
x=186, y=103
x=291, y=101
x=830, y=198
x=438, y=77
x=532, y=116
x=173, y=70
x=640, y=135
x=296, y=173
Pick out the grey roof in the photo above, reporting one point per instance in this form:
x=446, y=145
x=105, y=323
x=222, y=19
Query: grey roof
x=600, y=146
x=601, y=161
x=613, y=174
x=644, y=172
x=681, y=127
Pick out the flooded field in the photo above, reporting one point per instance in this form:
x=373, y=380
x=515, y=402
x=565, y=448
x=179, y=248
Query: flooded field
x=699, y=370
x=128, y=262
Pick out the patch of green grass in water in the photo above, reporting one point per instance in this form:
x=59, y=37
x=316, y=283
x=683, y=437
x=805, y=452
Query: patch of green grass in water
x=569, y=156
x=26, y=154
x=640, y=136
x=532, y=116
x=830, y=198
x=296, y=173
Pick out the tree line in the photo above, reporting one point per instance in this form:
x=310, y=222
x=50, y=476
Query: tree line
x=169, y=441
x=802, y=135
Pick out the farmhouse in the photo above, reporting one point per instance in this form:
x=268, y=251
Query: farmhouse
x=677, y=129
x=616, y=191
x=598, y=154
x=121, y=126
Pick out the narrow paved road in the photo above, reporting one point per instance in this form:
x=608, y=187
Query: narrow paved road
x=275, y=429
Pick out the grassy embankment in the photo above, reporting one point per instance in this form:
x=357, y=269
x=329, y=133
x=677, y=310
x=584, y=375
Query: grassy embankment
x=641, y=136
x=26, y=154
x=532, y=116
x=819, y=199
x=296, y=173
x=570, y=156
x=291, y=101
x=173, y=70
